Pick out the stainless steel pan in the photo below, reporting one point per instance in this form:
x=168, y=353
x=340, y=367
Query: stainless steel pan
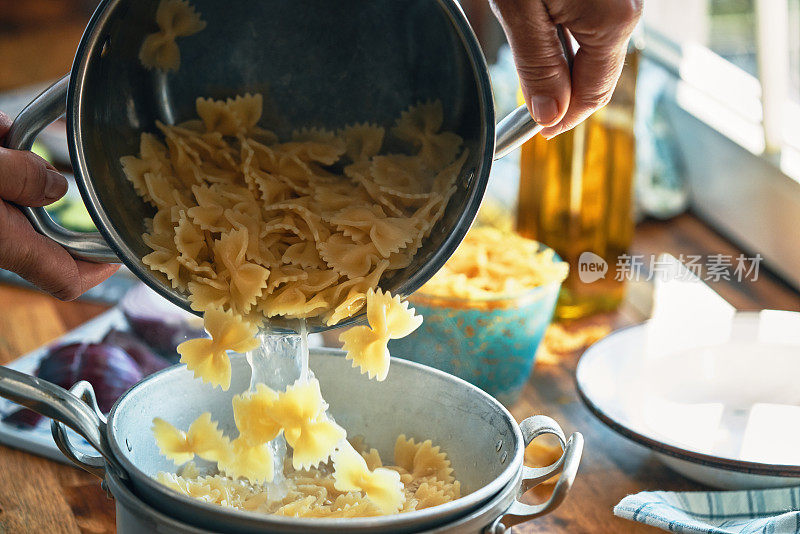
x=483, y=441
x=319, y=63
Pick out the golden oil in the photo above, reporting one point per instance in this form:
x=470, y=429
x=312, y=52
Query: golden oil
x=576, y=196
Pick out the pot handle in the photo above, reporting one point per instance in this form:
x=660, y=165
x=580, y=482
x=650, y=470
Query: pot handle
x=95, y=465
x=518, y=126
x=57, y=403
x=566, y=466
x=44, y=109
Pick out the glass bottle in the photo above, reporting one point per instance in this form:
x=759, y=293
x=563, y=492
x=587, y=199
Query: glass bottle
x=576, y=196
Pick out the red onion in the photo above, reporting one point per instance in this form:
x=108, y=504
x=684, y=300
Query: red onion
x=61, y=364
x=108, y=368
x=158, y=322
x=110, y=371
x=22, y=418
x=148, y=361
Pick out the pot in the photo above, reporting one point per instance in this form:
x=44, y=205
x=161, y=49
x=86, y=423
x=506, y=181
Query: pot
x=319, y=63
x=481, y=438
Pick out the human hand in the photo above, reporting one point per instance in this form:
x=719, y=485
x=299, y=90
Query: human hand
x=602, y=28
x=28, y=180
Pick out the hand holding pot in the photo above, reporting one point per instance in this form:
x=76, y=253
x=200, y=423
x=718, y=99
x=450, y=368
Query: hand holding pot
x=602, y=28
x=28, y=180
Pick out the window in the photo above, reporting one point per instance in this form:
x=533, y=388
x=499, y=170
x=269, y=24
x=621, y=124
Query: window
x=739, y=61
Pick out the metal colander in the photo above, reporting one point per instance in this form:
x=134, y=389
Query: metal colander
x=482, y=440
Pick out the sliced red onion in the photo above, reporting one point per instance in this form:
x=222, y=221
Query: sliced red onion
x=22, y=418
x=61, y=364
x=157, y=321
x=148, y=361
x=109, y=370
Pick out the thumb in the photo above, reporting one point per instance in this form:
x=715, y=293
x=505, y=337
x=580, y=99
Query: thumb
x=539, y=57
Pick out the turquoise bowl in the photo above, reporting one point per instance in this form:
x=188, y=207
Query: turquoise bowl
x=490, y=343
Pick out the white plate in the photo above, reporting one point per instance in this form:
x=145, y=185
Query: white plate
x=726, y=413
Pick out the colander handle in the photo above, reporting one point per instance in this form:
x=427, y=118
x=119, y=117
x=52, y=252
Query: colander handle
x=57, y=403
x=566, y=466
x=518, y=126
x=44, y=109
x=94, y=464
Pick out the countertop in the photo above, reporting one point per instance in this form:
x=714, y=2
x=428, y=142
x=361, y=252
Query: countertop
x=38, y=495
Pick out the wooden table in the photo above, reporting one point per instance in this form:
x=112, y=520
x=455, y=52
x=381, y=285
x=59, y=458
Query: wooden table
x=38, y=495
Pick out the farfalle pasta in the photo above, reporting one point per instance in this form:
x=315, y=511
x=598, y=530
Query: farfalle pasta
x=175, y=18
x=240, y=217
x=260, y=416
x=380, y=485
x=203, y=439
x=251, y=228
x=322, y=492
x=208, y=358
x=491, y=263
x=367, y=346
x=300, y=412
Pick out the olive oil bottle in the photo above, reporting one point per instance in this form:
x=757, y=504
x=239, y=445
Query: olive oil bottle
x=576, y=196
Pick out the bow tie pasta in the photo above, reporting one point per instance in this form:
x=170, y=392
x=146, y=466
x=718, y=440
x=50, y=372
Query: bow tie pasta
x=208, y=358
x=175, y=18
x=203, y=439
x=367, y=346
x=480, y=269
x=335, y=489
x=381, y=486
x=327, y=465
x=252, y=227
x=298, y=229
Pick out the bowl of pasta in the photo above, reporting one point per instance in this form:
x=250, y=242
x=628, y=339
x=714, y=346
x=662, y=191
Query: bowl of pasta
x=455, y=470
x=276, y=158
x=486, y=311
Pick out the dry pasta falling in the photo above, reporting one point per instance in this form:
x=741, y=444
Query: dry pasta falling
x=203, y=439
x=301, y=413
x=208, y=358
x=388, y=318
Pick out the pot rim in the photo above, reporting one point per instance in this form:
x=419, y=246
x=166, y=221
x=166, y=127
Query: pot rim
x=92, y=40
x=428, y=515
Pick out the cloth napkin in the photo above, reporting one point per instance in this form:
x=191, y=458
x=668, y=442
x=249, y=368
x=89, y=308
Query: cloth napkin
x=773, y=511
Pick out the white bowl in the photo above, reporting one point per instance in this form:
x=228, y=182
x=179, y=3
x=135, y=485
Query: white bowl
x=726, y=414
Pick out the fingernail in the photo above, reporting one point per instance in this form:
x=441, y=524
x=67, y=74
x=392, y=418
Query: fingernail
x=549, y=133
x=545, y=109
x=55, y=185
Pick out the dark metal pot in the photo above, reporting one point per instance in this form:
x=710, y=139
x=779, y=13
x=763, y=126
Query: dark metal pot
x=319, y=63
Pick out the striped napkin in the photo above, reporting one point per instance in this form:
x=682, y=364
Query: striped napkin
x=773, y=511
